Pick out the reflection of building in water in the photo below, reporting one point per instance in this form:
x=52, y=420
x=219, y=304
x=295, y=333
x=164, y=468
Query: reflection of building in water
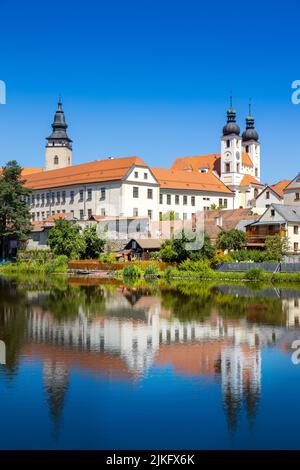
x=56, y=382
x=292, y=309
x=241, y=378
x=136, y=333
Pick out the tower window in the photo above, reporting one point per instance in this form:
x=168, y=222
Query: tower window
x=56, y=161
x=227, y=143
x=256, y=172
x=238, y=167
x=227, y=167
x=247, y=148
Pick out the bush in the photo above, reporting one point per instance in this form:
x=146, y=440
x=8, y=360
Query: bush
x=256, y=256
x=132, y=270
x=151, y=270
x=220, y=258
x=254, y=274
x=170, y=272
x=108, y=258
x=58, y=265
x=195, y=266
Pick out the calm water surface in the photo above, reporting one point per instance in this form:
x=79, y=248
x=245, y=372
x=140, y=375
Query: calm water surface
x=104, y=366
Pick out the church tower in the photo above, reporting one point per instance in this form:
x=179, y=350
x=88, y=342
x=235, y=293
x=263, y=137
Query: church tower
x=231, y=150
x=59, y=146
x=251, y=144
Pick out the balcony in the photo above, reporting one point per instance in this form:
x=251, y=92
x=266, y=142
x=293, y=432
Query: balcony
x=256, y=236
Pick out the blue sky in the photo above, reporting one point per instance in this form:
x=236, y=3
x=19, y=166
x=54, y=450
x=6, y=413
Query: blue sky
x=149, y=78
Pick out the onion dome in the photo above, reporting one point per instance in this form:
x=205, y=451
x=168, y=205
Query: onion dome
x=231, y=127
x=250, y=132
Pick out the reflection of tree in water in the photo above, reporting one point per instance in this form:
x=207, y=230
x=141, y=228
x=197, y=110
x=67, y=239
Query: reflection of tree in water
x=67, y=304
x=13, y=322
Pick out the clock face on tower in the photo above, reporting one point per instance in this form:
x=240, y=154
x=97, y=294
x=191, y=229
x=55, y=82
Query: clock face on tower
x=227, y=156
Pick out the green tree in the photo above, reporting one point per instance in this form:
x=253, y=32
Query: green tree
x=233, y=239
x=94, y=245
x=65, y=238
x=276, y=247
x=207, y=251
x=14, y=212
x=167, y=252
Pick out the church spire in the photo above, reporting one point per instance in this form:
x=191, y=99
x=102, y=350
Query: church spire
x=231, y=127
x=250, y=132
x=59, y=136
x=59, y=145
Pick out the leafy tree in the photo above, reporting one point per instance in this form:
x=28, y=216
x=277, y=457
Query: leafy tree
x=167, y=252
x=207, y=251
x=65, y=238
x=233, y=239
x=94, y=245
x=276, y=247
x=14, y=212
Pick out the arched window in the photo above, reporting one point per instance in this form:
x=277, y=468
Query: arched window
x=56, y=160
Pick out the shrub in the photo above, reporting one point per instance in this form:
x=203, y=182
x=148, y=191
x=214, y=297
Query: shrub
x=58, y=265
x=132, y=270
x=108, y=258
x=170, y=272
x=151, y=270
x=254, y=274
x=220, y=258
x=195, y=266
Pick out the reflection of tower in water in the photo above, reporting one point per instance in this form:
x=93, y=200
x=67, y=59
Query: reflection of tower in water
x=56, y=383
x=241, y=381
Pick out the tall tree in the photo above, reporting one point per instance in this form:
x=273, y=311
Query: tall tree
x=14, y=212
x=65, y=238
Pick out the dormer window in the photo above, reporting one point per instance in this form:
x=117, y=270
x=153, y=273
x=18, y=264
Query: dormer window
x=203, y=170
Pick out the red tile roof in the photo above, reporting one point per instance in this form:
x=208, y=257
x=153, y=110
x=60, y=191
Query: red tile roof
x=248, y=179
x=212, y=162
x=279, y=187
x=100, y=170
x=172, y=179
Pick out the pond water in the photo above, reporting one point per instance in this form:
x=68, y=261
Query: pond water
x=92, y=365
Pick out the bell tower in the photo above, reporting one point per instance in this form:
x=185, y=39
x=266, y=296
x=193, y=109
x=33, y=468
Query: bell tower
x=59, y=145
x=251, y=144
x=231, y=150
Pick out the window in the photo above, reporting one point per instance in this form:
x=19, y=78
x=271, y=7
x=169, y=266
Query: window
x=255, y=192
x=150, y=193
x=53, y=198
x=37, y=215
x=160, y=198
x=184, y=200
x=267, y=206
x=89, y=213
x=227, y=143
x=43, y=215
x=56, y=161
x=103, y=212
x=256, y=172
x=135, y=212
x=81, y=195
x=58, y=212
x=63, y=211
x=48, y=198
x=297, y=196
x=135, y=192
x=102, y=194
x=267, y=194
x=81, y=214
x=150, y=214
x=184, y=216
x=168, y=199
x=72, y=212
x=227, y=167
x=296, y=246
x=32, y=216
x=71, y=197
x=63, y=197
x=37, y=199
x=193, y=200
x=145, y=176
x=136, y=174
x=238, y=167
x=176, y=199
x=296, y=229
x=272, y=212
x=32, y=200
x=220, y=202
x=247, y=148
x=58, y=197
x=89, y=194
x=225, y=203
x=43, y=199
